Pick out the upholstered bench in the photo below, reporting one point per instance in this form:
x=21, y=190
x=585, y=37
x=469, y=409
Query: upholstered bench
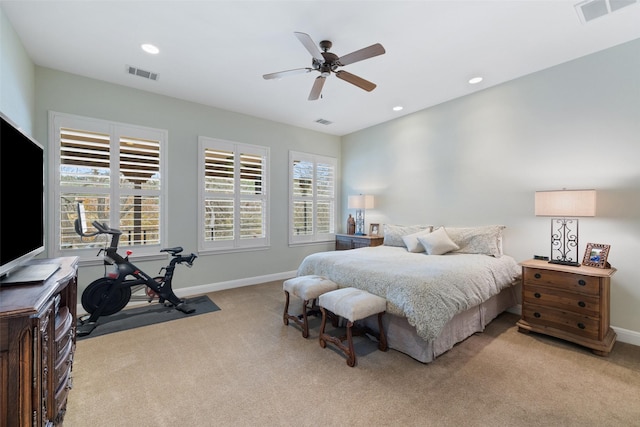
x=353, y=305
x=308, y=289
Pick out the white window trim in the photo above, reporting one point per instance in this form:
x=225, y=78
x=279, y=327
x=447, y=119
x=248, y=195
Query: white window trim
x=237, y=244
x=114, y=129
x=313, y=238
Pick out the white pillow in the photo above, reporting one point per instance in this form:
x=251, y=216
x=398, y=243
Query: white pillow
x=393, y=233
x=486, y=240
x=438, y=242
x=412, y=243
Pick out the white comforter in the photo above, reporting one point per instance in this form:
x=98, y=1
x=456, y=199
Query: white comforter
x=426, y=289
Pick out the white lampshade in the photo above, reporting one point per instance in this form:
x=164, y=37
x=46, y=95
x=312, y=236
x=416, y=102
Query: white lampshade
x=360, y=202
x=566, y=203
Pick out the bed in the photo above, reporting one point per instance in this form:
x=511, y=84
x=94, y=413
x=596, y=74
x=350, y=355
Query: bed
x=434, y=299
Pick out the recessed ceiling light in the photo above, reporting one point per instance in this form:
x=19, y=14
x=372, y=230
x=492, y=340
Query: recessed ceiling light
x=149, y=48
x=398, y=108
x=475, y=80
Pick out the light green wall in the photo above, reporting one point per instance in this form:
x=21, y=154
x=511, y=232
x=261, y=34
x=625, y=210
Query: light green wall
x=17, y=83
x=479, y=159
x=185, y=121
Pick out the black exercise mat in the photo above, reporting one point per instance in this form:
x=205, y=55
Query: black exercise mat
x=149, y=314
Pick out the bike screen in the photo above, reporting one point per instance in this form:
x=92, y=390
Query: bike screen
x=82, y=220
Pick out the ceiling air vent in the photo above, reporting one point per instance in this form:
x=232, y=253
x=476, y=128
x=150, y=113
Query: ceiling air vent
x=589, y=10
x=142, y=73
x=323, y=122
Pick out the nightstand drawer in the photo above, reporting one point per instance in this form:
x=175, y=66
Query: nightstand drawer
x=575, y=324
x=567, y=281
x=587, y=305
x=351, y=241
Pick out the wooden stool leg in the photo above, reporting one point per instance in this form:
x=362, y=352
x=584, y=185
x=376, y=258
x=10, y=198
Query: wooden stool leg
x=305, y=322
x=351, y=353
x=321, y=340
x=285, y=316
x=382, y=339
x=300, y=320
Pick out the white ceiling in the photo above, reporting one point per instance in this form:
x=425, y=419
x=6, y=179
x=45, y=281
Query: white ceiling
x=215, y=52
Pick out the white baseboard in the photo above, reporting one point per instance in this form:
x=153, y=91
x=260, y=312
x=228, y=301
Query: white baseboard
x=230, y=284
x=627, y=336
x=624, y=335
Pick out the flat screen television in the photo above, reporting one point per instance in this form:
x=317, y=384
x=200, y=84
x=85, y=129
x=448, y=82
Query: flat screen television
x=21, y=203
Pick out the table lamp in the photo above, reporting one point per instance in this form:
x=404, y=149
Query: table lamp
x=565, y=205
x=360, y=203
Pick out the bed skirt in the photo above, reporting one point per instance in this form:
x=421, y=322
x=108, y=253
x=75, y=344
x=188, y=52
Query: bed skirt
x=402, y=336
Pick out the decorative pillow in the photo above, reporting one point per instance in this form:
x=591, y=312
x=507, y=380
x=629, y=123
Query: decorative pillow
x=393, y=233
x=412, y=243
x=438, y=242
x=485, y=240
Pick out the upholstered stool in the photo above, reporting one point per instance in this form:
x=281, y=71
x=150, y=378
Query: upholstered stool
x=352, y=304
x=308, y=289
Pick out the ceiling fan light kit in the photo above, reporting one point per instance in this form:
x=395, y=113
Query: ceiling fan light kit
x=326, y=63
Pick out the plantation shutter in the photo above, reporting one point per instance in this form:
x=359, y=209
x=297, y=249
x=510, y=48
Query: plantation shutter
x=303, y=174
x=233, y=186
x=325, y=202
x=115, y=171
x=139, y=190
x=312, y=198
x=84, y=176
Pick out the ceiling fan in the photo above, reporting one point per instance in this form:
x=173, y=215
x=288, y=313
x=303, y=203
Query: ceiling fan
x=326, y=63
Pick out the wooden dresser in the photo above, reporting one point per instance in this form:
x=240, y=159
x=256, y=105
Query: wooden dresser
x=37, y=343
x=351, y=241
x=571, y=303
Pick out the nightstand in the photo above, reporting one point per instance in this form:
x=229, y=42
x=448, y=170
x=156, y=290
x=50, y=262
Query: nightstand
x=571, y=303
x=351, y=241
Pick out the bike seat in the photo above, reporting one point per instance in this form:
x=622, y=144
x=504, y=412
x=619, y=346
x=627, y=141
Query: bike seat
x=173, y=251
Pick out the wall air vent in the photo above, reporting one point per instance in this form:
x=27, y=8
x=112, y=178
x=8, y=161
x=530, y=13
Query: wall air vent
x=589, y=10
x=142, y=73
x=323, y=122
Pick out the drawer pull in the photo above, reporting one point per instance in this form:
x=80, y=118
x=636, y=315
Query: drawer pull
x=581, y=325
x=536, y=314
x=581, y=282
x=582, y=304
x=537, y=275
x=537, y=295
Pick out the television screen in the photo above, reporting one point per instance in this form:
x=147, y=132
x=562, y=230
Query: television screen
x=21, y=197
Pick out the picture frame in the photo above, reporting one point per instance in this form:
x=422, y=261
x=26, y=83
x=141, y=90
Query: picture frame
x=596, y=254
x=374, y=229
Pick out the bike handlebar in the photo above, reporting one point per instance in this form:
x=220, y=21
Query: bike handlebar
x=179, y=259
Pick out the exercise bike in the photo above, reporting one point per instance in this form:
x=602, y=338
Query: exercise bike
x=110, y=294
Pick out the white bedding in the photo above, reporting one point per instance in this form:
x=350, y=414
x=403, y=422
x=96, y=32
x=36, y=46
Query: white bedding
x=426, y=289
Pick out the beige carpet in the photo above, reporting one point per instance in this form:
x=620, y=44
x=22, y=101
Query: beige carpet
x=242, y=367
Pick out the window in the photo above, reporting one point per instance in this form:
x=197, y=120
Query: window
x=312, y=194
x=117, y=172
x=234, y=202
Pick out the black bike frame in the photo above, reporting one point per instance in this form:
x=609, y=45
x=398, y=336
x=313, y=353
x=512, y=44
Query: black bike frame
x=126, y=268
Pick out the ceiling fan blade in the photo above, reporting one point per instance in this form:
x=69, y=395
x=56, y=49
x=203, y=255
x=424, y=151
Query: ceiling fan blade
x=364, y=53
x=308, y=43
x=316, y=90
x=355, y=80
x=286, y=73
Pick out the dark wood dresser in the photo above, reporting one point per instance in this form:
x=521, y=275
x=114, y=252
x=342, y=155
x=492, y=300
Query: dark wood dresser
x=37, y=343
